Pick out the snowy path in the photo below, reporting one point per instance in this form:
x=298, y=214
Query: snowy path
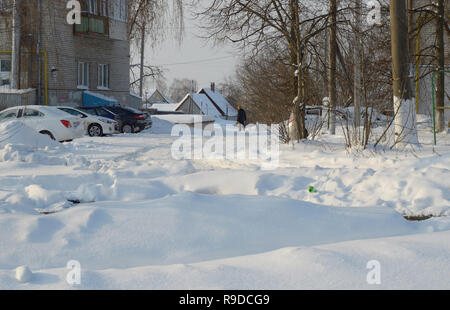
x=148, y=221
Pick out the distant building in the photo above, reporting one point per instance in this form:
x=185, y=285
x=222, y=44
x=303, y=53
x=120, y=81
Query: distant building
x=422, y=44
x=197, y=104
x=158, y=98
x=225, y=109
x=94, y=55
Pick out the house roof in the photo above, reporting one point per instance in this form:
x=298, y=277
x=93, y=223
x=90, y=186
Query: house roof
x=219, y=100
x=158, y=97
x=202, y=102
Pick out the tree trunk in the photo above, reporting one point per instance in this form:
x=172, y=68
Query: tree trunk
x=440, y=56
x=15, y=57
x=332, y=65
x=404, y=103
x=141, y=84
x=357, y=71
x=296, y=58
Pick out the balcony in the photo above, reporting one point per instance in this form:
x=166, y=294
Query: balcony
x=92, y=24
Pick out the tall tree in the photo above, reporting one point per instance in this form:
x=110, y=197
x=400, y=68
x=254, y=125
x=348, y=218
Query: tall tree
x=440, y=57
x=404, y=104
x=256, y=24
x=332, y=49
x=357, y=67
x=149, y=22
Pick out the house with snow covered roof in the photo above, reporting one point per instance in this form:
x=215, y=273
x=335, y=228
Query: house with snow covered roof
x=158, y=97
x=225, y=109
x=197, y=104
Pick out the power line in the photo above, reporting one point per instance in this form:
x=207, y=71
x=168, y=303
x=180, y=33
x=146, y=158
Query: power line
x=196, y=61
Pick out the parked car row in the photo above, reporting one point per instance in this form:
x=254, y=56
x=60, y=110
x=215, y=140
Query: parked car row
x=63, y=123
x=129, y=120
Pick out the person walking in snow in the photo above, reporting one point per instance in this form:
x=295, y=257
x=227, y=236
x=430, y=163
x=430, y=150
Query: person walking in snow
x=242, y=118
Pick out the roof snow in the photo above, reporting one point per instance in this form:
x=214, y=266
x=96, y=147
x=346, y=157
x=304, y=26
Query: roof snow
x=203, y=103
x=219, y=100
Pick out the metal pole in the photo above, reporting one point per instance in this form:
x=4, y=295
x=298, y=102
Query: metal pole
x=38, y=52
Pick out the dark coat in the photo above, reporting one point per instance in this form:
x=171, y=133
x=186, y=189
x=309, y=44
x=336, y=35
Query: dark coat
x=242, y=116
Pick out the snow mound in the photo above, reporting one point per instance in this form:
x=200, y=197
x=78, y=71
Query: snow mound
x=16, y=132
x=23, y=274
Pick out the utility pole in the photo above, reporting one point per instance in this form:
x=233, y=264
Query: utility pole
x=440, y=56
x=38, y=53
x=357, y=69
x=332, y=65
x=15, y=57
x=141, y=86
x=404, y=104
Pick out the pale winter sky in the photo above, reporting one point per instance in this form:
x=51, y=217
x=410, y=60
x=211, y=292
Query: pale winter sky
x=194, y=59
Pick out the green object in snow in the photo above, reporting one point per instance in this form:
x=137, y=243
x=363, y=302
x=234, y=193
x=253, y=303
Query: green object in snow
x=312, y=189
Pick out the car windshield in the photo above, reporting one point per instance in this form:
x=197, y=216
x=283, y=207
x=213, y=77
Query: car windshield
x=90, y=111
x=105, y=113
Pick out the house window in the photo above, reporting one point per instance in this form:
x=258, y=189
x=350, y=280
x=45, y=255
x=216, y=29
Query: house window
x=103, y=76
x=5, y=65
x=92, y=7
x=83, y=74
x=5, y=72
x=120, y=10
x=104, y=8
x=5, y=5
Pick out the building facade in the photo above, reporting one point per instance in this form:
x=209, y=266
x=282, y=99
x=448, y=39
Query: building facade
x=423, y=46
x=61, y=60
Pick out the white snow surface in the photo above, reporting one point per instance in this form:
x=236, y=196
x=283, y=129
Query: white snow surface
x=137, y=219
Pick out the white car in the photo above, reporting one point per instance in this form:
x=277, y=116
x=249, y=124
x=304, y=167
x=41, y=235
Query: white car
x=95, y=126
x=46, y=120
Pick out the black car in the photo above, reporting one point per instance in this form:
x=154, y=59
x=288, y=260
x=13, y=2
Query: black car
x=129, y=121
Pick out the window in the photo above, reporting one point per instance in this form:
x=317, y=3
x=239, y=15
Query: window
x=32, y=113
x=92, y=7
x=8, y=114
x=103, y=76
x=91, y=111
x=103, y=8
x=104, y=113
x=83, y=74
x=5, y=65
x=120, y=10
x=5, y=5
x=74, y=112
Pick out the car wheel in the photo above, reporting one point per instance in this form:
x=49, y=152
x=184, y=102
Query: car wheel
x=95, y=130
x=48, y=133
x=127, y=128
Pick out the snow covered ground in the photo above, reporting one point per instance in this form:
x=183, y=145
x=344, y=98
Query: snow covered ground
x=135, y=218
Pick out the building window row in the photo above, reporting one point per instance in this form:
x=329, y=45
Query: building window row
x=103, y=74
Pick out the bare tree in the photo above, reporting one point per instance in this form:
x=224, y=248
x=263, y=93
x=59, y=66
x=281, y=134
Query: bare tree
x=181, y=87
x=152, y=20
x=256, y=24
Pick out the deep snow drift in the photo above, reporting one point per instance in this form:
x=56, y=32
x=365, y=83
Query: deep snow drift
x=136, y=218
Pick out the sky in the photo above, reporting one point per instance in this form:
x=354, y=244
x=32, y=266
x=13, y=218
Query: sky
x=194, y=59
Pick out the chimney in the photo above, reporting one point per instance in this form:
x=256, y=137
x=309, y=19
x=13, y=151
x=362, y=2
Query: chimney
x=213, y=87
